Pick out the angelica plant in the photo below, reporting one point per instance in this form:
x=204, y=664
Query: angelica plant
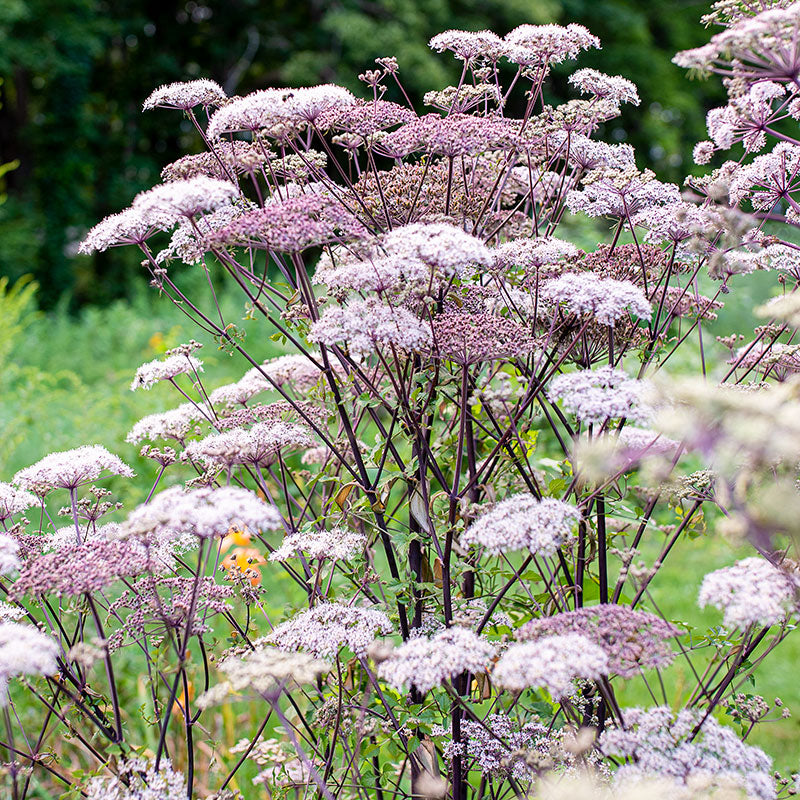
x=415, y=554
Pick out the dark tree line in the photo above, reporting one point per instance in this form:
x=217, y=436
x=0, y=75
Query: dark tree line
x=73, y=73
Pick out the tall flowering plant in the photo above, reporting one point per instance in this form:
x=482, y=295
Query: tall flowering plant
x=462, y=476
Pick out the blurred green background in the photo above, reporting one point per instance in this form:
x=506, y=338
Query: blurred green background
x=74, y=73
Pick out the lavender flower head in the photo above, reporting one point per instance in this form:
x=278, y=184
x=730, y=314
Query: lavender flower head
x=131, y=226
x=523, y=522
x=324, y=629
x=176, y=423
x=552, y=663
x=595, y=395
x=543, y=45
x=631, y=639
x=423, y=663
x=605, y=299
x=751, y=592
x=71, y=468
x=204, y=512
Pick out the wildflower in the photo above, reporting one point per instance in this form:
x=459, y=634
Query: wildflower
x=176, y=423
x=521, y=521
x=139, y=779
x=78, y=569
x=9, y=555
x=159, y=604
x=205, y=513
x=751, y=592
x=264, y=670
x=440, y=245
x=132, y=226
x=364, y=118
x=423, y=663
x=530, y=254
x=703, y=152
x=620, y=193
x=451, y=136
x=13, y=500
x=469, y=45
x=543, y=45
x=551, y=663
x=183, y=96
x=259, y=445
x=149, y=374
x=273, y=108
x=673, y=223
x=288, y=225
x=660, y=743
x=24, y=650
x=184, y=199
x=475, y=338
x=363, y=324
x=768, y=179
x=607, y=300
x=324, y=629
x=336, y=544
x=295, y=370
x=595, y=395
x=745, y=118
x=71, y=468
x=631, y=639
x=614, y=88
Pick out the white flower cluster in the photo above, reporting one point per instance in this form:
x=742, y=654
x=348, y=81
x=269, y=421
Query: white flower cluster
x=203, y=512
x=13, y=500
x=170, y=202
x=186, y=95
x=595, y=395
x=265, y=671
x=258, y=445
x=531, y=253
x=445, y=247
x=363, y=324
x=552, y=663
x=70, y=468
x=610, y=87
x=272, y=108
x=424, y=663
x=24, y=650
x=9, y=554
x=176, y=423
x=336, y=544
x=324, y=629
x=664, y=745
x=606, y=299
x=521, y=521
x=751, y=592
x=149, y=374
x=139, y=779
